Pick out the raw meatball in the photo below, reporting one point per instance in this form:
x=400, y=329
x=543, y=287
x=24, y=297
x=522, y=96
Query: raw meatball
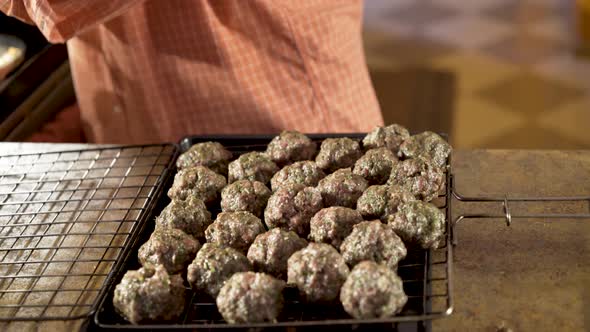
x=429, y=146
x=149, y=294
x=342, y=188
x=213, y=266
x=292, y=207
x=249, y=297
x=305, y=173
x=270, y=251
x=170, y=247
x=375, y=165
x=419, y=177
x=245, y=195
x=419, y=223
x=336, y=153
x=331, y=225
x=390, y=137
x=372, y=291
x=318, y=271
x=373, y=241
x=189, y=215
x=381, y=201
x=209, y=154
x=234, y=229
x=198, y=181
x=254, y=166
x=290, y=146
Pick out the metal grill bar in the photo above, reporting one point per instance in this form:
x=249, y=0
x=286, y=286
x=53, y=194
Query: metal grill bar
x=66, y=219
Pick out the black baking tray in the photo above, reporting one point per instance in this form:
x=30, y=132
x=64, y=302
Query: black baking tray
x=417, y=271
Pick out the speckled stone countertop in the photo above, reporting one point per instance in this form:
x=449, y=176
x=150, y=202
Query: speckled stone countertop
x=531, y=276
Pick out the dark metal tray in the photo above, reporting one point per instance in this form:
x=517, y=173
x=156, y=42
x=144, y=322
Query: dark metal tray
x=426, y=274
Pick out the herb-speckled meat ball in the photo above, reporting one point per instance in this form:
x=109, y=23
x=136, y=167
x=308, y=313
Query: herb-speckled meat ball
x=255, y=166
x=198, y=181
x=213, y=266
x=170, y=247
x=271, y=250
x=381, y=201
x=427, y=145
x=292, y=207
x=372, y=291
x=189, y=215
x=336, y=153
x=342, y=188
x=305, y=173
x=419, y=223
x=418, y=176
x=209, y=154
x=290, y=146
x=234, y=229
x=331, y=225
x=149, y=294
x=318, y=271
x=249, y=297
x=373, y=241
x=390, y=137
x=375, y=166
x=245, y=195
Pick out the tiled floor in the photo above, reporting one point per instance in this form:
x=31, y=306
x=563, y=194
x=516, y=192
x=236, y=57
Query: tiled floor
x=518, y=81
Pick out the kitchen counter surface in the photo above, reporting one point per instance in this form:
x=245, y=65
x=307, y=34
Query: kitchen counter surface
x=531, y=276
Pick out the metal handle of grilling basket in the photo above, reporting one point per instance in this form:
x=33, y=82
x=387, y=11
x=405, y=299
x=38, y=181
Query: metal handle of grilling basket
x=507, y=215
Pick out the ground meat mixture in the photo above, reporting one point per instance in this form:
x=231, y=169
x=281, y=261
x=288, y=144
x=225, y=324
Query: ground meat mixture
x=336, y=153
x=318, y=271
x=373, y=241
x=305, y=173
x=189, y=215
x=372, y=291
x=429, y=146
x=198, y=181
x=255, y=166
x=149, y=294
x=170, y=247
x=234, y=229
x=249, y=297
x=270, y=251
x=418, y=176
x=292, y=207
x=377, y=202
x=390, y=137
x=290, y=146
x=419, y=223
x=331, y=225
x=342, y=188
x=209, y=154
x=245, y=195
x=375, y=165
x=213, y=266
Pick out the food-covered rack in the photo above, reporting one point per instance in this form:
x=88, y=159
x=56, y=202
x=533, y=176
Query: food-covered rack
x=427, y=277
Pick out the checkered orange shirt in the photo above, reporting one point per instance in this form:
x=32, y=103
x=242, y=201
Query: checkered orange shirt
x=155, y=70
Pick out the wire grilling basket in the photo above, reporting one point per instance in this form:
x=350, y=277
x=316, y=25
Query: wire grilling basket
x=66, y=221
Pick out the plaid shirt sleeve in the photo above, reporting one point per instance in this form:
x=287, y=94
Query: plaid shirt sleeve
x=60, y=20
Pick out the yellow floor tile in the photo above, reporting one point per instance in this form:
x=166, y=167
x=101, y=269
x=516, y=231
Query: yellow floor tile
x=475, y=121
x=571, y=120
x=474, y=71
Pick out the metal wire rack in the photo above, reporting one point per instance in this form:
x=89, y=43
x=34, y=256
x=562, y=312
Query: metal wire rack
x=66, y=218
x=427, y=277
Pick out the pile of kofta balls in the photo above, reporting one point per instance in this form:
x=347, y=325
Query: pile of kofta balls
x=334, y=223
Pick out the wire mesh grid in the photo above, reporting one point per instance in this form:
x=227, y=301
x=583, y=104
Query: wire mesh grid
x=65, y=220
x=427, y=277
